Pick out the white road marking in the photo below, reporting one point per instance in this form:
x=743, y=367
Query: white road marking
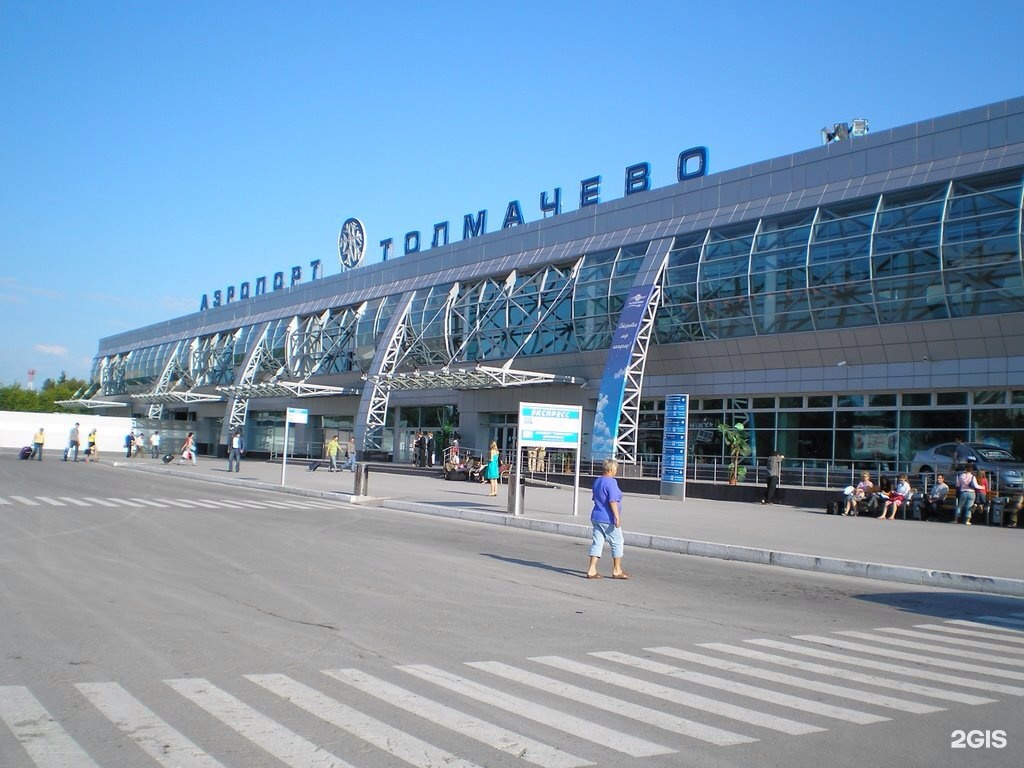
x=1000, y=636
x=398, y=743
x=150, y=503
x=881, y=666
x=25, y=500
x=492, y=735
x=676, y=696
x=101, y=502
x=585, y=729
x=856, y=677
x=914, y=657
x=51, y=502
x=159, y=740
x=126, y=502
x=286, y=745
x=796, y=702
x=47, y=744
x=934, y=637
x=177, y=503
x=620, y=707
x=76, y=502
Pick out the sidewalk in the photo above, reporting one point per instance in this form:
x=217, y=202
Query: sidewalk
x=976, y=558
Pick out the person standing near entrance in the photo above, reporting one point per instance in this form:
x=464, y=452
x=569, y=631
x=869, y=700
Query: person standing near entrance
x=350, y=454
x=774, y=473
x=431, y=446
x=606, y=519
x=235, y=450
x=493, y=472
x=73, y=443
x=154, y=444
x=37, y=445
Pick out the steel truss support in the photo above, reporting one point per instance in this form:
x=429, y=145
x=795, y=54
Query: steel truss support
x=173, y=373
x=626, y=438
x=373, y=406
x=260, y=361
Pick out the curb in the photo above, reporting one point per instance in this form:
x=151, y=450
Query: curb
x=924, y=577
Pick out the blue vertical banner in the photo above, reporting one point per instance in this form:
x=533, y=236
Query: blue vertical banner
x=613, y=382
x=673, y=458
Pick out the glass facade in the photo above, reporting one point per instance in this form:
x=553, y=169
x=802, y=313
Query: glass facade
x=933, y=252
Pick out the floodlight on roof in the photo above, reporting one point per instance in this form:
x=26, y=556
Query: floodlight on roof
x=859, y=126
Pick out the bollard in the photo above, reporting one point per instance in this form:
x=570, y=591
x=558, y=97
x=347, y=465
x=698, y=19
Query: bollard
x=362, y=480
x=513, y=485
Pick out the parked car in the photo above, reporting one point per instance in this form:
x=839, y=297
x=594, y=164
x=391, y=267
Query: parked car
x=1003, y=466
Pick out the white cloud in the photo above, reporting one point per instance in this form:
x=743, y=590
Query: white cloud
x=51, y=349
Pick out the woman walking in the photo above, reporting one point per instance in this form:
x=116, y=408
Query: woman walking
x=188, y=450
x=606, y=521
x=492, y=472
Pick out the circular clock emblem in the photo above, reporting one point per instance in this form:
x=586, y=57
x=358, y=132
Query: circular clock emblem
x=351, y=243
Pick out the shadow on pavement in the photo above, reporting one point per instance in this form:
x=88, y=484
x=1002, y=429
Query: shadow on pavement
x=985, y=609
x=578, y=572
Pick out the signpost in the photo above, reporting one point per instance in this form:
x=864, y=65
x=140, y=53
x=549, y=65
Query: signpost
x=292, y=416
x=542, y=425
x=673, y=473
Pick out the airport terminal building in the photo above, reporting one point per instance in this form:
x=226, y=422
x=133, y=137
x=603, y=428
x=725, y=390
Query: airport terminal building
x=849, y=304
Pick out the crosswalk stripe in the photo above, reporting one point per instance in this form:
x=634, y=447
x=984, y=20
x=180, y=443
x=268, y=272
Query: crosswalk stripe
x=150, y=503
x=402, y=745
x=76, y=502
x=841, y=691
x=51, y=502
x=101, y=502
x=486, y=733
x=991, y=623
x=850, y=675
x=287, y=746
x=933, y=647
x=177, y=503
x=295, y=504
x=1010, y=624
x=915, y=657
x=970, y=633
x=611, y=704
x=205, y=504
x=938, y=677
x=125, y=502
x=4, y=502
x=47, y=744
x=607, y=737
x=217, y=504
x=158, y=739
x=795, y=702
x=244, y=503
x=25, y=500
x=676, y=696
x=932, y=637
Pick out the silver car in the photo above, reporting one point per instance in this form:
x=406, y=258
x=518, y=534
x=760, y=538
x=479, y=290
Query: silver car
x=1006, y=470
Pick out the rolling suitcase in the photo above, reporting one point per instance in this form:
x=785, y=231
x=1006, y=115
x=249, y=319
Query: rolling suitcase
x=24, y=453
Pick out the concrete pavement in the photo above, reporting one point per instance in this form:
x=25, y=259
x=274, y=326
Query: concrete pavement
x=976, y=558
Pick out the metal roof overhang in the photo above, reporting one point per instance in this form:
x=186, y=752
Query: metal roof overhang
x=82, y=402
x=268, y=389
x=165, y=398
x=479, y=377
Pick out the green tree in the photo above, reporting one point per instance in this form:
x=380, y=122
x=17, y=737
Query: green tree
x=738, y=446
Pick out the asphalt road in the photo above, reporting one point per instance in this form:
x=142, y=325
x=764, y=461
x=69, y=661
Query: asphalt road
x=157, y=621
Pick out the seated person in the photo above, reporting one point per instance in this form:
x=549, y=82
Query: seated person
x=859, y=494
x=895, y=498
x=934, y=498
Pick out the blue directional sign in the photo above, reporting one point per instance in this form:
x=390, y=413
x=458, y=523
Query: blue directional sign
x=673, y=474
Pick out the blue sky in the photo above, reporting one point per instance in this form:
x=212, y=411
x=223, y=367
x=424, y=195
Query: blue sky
x=153, y=152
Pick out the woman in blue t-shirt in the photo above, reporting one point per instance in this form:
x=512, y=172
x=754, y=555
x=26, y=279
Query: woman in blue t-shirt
x=606, y=521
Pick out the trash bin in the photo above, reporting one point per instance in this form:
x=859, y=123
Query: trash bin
x=995, y=511
x=361, y=486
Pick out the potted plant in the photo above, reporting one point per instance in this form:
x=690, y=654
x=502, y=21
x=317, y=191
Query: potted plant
x=738, y=445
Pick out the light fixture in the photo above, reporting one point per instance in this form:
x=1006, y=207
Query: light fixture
x=841, y=364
